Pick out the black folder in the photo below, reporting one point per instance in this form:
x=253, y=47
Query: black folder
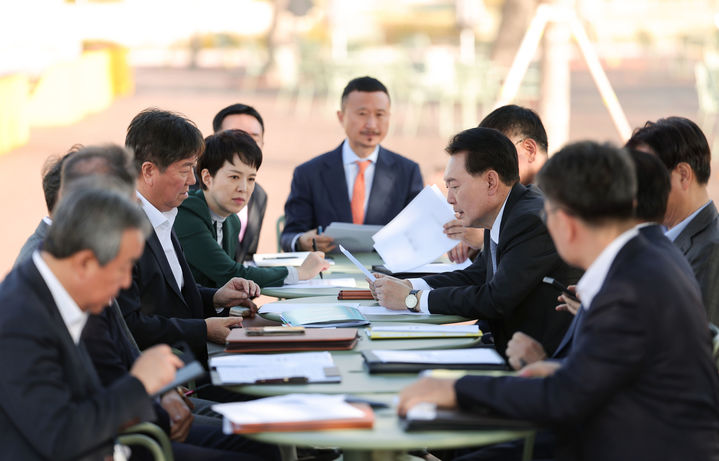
x=461, y=420
x=376, y=365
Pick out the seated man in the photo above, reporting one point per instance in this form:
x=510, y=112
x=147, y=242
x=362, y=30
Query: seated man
x=624, y=392
x=358, y=182
x=504, y=286
x=53, y=404
x=207, y=225
x=246, y=118
x=691, y=218
x=164, y=304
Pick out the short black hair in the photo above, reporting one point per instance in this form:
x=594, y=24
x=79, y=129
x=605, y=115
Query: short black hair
x=516, y=120
x=593, y=181
x=163, y=138
x=110, y=160
x=234, y=109
x=487, y=149
x=365, y=84
x=653, y=186
x=223, y=147
x=676, y=140
x=52, y=177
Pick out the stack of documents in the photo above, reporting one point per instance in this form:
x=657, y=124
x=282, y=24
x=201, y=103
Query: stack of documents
x=324, y=316
x=416, y=236
x=316, y=339
x=324, y=283
x=294, y=412
x=423, y=270
x=295, y=258
x=354, y=237
x=424, y=331
x=298, y=368
x=476, y=358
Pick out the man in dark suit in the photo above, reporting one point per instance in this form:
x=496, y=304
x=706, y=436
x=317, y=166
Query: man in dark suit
x=359, y=182
x=653, y=186
x=692, y=219
x=164, y=303
x=504, y=286
x=624, y=392
x=246, y=118
x=53, y=404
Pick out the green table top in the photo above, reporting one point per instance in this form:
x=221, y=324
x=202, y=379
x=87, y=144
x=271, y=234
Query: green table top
x=399, y=317
x=387, y=434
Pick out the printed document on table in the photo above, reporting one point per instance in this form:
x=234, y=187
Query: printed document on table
x=251, y=368
x=295, y=258
x=381, y=310
x=346, y=282
x=444, y=356
x=358, y=264
x=415, y=236
x=279, y=308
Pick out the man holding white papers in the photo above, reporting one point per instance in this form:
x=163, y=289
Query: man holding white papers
x=358, y=182
x=504, y=286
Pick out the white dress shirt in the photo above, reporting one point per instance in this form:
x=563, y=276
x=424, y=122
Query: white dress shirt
x=594, y=276
x=162, y=223
x=420, y=284
x=73, y=317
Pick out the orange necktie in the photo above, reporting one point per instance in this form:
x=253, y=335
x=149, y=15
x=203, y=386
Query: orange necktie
x=357, y=203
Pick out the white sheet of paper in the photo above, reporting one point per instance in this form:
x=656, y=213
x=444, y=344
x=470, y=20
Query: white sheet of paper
x=461, y=356
x=381, y=310
x=429, y=328
x=279, y=308
x=356, y=237
x=295, y=258
x=415, y=236
x=248, y=368
x=438, y=268
x=359, y=265
x=289, y=408
x=347, y=282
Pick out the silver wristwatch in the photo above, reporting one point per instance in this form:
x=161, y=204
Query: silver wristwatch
x=412, y=301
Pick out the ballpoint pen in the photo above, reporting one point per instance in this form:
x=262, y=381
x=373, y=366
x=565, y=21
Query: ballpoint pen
x=314, y=246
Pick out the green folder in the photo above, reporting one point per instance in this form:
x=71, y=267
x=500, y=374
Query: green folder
x=325, y=317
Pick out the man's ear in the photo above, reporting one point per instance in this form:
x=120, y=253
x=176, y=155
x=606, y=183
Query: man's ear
x=492, y=178
x=686, y=174
x=148, y=170
x=84, y=263
x=530, y=146
x=340, y=116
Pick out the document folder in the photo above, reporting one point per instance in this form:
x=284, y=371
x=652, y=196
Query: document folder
x=317, y=339
x=475, y=358
x=426, y=417
x=325, y=317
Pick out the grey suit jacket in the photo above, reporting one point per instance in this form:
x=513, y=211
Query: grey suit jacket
x=255, y=215
x=699, y=242
x=32, y=243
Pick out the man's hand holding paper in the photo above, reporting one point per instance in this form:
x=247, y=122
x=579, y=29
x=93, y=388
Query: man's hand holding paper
x=389, y=291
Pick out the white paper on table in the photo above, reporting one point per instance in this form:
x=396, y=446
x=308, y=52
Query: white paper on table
x=295, y=258
x=289, y=408
x=453, y=356
x=359, y=265
x=438, y=268
x=248, y=368
x=347, y=282
x=381, y=310
x=280, y=307
x=356, y=237
x=415, y=236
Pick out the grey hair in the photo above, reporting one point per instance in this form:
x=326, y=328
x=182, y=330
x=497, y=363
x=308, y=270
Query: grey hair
x=109, y=160
x=95, y=219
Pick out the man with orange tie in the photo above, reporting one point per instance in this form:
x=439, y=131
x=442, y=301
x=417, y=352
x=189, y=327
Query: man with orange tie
x=359, y=182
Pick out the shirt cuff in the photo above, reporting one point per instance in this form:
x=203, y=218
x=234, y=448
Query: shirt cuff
x=419, y=284
x=293, y=246
x=424, y=301
x=292, y=276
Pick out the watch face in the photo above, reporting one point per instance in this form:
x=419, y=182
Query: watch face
x=410, y=301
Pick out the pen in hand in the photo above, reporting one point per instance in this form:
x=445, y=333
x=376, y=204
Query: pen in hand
x=314, y=248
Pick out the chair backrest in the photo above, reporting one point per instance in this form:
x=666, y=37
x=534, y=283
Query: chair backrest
x=279, y=226
x=150, y=436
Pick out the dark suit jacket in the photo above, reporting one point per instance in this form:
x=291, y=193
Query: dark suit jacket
x=514, y=299
x=626, y=391
x=32, y=243
x=318, y=194
x=53, y=405
x=255, y=215
x=699, y=242
x=155, y=309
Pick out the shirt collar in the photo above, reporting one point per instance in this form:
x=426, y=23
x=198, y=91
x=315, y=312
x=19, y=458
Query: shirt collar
x=217, y=218
x=674, y=232
x=157, y=218
x=494, y=231
x=73, y=317
x=593, y=278
x=349, y=156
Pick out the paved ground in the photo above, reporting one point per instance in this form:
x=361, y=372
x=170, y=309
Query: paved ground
x=647, y=91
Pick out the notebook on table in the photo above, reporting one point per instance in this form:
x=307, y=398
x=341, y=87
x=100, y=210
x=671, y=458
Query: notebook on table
x=315, y=339
x=393, y=361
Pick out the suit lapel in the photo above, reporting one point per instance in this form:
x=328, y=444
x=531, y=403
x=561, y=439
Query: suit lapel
x=190, y=295
x=153, y=243
x=569, y=335
x=333, y=178
x=696, y=225
x=518, y=190
x=382, y=185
